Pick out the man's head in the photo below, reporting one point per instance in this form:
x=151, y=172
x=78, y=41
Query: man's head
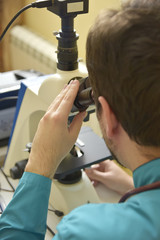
x=123, y=61
x=140, y=4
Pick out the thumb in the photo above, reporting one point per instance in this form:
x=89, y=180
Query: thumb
x=95, y=174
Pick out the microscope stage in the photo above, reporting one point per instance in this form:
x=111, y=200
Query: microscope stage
x=93, y=150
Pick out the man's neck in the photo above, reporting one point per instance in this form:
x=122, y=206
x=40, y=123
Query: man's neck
x=138, y=155
x=131, y=154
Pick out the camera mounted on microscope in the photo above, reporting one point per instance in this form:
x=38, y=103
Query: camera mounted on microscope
x=67, y=52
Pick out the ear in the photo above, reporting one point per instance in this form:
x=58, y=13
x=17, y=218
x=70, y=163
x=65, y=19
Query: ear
x=108, y=118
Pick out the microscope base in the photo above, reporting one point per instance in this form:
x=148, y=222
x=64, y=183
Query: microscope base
x=66, y=197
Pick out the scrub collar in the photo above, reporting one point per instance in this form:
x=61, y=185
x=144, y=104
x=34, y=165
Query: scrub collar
x=147, y=173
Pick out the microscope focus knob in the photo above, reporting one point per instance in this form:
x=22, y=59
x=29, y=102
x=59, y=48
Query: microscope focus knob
x=17, y=171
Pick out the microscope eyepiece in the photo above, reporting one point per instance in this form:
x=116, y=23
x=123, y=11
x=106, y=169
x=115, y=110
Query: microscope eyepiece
x=84, y=97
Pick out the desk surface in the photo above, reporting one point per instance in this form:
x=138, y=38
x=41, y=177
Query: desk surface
x=3, y=151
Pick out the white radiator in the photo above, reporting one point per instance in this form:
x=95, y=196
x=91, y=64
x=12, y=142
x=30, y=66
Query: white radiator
x=31, y=51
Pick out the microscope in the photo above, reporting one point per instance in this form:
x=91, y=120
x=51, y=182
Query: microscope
x=70, y=186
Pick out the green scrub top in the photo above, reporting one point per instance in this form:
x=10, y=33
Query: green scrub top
x=136, y=219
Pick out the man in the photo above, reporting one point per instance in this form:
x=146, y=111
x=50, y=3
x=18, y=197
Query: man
x=139, y=4
x=123, y=61
x=107, y=172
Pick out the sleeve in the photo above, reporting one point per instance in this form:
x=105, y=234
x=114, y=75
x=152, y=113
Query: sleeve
x=25, y=216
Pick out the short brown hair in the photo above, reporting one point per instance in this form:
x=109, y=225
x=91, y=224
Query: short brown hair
x=141, y=4
x=123, y=61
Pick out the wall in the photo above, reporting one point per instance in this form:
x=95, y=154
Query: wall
x=7, y=10
x=45, y=22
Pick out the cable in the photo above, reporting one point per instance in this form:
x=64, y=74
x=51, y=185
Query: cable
x=42, y=3
x=13, y=190
x=2, y=204
x=50, y=230
x=13, y=19
x=6, y=177
x=36, y=4
x=6, y=190
x=57, y=212
x=8, y=98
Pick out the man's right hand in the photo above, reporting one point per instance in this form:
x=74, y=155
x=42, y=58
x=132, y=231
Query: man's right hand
x=54, y=138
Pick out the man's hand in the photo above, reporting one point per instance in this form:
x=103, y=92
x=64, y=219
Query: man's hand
x=111, y=175
x=54, y=138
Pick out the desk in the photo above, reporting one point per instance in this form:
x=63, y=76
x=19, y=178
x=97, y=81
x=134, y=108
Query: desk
x=105, y=195
x=3, y=151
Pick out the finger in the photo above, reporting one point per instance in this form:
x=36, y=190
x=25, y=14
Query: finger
x=67, y=102
x=55, y=104
x=76, y=124
x=95, y=183
x=105, y=165
x=95, y=174
x=95, y=166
